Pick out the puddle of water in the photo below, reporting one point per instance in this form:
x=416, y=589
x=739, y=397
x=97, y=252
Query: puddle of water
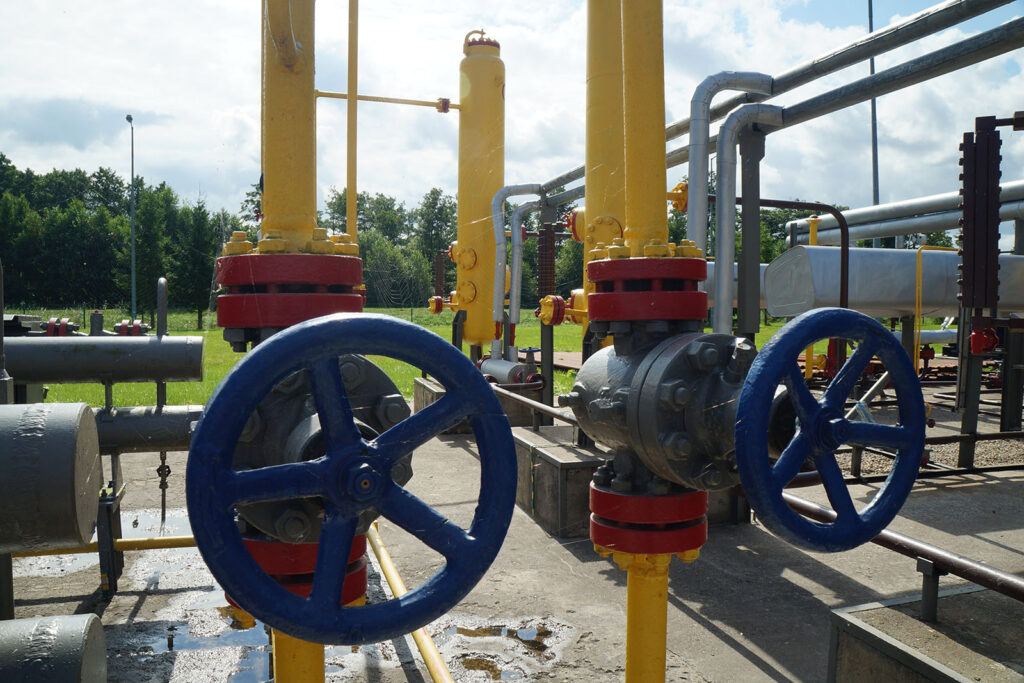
x=532, y=638
x=253, y=667
x=484, y=664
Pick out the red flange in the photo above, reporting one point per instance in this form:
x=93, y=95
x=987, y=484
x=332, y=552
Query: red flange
x=605, y=270
x=281, y=310
x=634, y=509
x=611, y=306
x=653, y=525
x=665, y=541
x=250, y=270
x=293, y=566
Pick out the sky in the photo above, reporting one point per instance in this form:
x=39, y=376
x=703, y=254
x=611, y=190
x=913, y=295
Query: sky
x=188, y=72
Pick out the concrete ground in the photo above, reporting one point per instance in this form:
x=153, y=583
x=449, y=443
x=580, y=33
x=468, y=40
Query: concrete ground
x=751, y=608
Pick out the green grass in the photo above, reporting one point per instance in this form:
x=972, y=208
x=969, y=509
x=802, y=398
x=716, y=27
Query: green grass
x=218, y=357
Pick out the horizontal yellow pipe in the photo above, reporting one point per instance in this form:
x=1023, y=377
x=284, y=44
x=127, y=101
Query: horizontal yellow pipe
x=428, y=650
x=122, y=545
x=436, y=104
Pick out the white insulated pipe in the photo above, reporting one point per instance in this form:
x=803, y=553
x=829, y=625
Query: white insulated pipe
x=500, y=255
x=700, y=132
x=725, y=239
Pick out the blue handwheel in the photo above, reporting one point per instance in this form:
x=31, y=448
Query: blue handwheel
x=822, y=427
x=354, y=475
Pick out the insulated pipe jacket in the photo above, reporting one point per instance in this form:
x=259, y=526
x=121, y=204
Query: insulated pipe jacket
x=38, y=360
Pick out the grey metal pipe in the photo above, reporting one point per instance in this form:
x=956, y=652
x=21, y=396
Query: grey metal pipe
x=146, y=429
x=516, y=286
x=63, y=648
x=918, y=206
x=932, y=222
x=924, y=23
x=728, y=136
x=500, y=257
x=49, y=491
x=992, y=43
x=882, y=281
x=37, y=360
x=700, y=131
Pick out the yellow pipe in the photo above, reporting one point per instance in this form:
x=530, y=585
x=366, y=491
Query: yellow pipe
x=296, y=661
x=120, y=544
x=918, y=286
x=812, y=239
x=351, y=199
x=288, y=127
x=428, y=650
x=437, y=104
x=644, y=125
x=605, y=155
x=481, y=175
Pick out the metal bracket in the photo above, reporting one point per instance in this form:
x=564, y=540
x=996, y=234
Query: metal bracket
x=930, y=574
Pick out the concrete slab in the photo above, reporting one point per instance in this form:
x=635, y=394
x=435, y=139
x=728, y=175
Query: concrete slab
x=751, y=608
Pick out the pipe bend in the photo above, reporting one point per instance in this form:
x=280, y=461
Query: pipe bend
x=500, y=256
x=728, y=135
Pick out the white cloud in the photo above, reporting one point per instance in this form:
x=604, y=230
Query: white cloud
x=190, y=73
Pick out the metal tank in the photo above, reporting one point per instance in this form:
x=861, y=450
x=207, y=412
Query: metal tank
x=481, y=175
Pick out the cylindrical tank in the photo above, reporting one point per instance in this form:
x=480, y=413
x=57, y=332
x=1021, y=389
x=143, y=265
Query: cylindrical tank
x=481, y=175
x=65, y=648
x=36, y=360
x=288, y=124
x=882, y=281
x=49, y=491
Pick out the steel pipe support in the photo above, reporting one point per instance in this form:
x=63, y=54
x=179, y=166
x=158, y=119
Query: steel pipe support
x=38, y=360
x=65, y=648
x=49, y=491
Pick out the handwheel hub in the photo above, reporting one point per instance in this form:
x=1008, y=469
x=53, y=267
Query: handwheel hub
x=828, y=430
x=362, y=481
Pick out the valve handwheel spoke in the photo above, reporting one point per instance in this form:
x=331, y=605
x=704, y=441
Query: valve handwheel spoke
x=426, y=524
x=332, y=406
x=352, y=478
x=822, y=429
x=336, y=534
x=277, y=482
x=417, y=429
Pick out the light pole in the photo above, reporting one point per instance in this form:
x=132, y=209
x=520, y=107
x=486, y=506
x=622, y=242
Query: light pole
x=131, y=210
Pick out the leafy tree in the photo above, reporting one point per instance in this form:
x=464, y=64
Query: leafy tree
x=193, y=254
x=20, y=231
x=251, y=211
x=568, y=268
x=379, y=212
x=434, y=222
x=106, y=189
x=155, y=216
x=59, y=188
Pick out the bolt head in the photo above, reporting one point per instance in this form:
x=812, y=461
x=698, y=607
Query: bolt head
x=364, y=482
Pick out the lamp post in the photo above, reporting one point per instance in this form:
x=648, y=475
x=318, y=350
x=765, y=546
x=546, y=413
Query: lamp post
x=131, y=203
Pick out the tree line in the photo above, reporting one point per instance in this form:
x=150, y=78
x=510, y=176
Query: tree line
x=64, y=241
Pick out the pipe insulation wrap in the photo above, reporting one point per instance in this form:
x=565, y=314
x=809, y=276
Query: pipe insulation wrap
x=62, y=648
x=49, y=491
x=881, y=282
x=932, y=222
x=37, y=360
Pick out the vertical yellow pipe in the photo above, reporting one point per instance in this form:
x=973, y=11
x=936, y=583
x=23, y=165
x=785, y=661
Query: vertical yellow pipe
x=481, y=175
x=812, y=239
x=351, y=197
x=296, y=661
x=288, y=126
x=646, y=618
x=605, y=157
x=644, y=98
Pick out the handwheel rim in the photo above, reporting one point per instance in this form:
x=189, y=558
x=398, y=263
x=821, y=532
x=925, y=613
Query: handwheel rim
x=222, y=422
x=763, y=485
